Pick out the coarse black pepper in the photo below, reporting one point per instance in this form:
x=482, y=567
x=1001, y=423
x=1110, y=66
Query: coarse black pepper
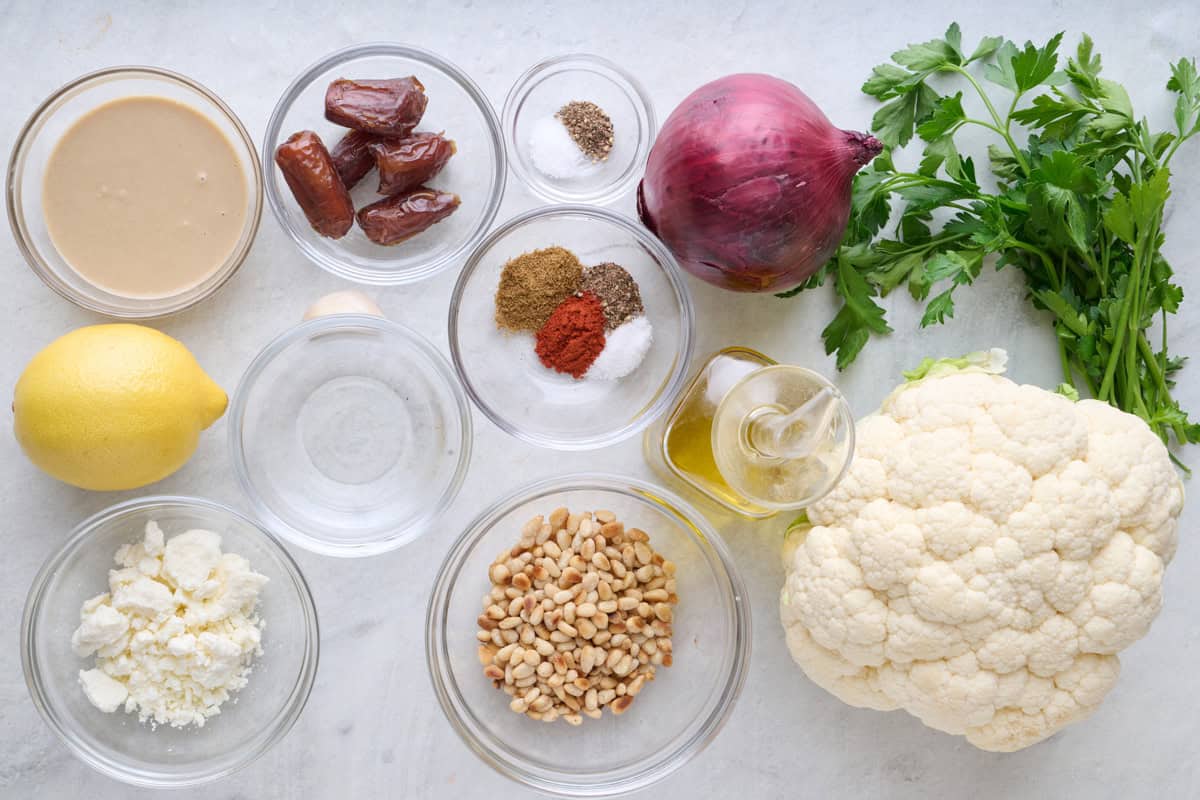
x=618, y=292
x=589, y=126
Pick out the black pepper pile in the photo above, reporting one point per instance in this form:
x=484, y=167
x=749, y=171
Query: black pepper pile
x=618, y=292
x=589, y=127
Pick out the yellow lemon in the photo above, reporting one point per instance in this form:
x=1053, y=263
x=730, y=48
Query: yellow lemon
x=111, y=407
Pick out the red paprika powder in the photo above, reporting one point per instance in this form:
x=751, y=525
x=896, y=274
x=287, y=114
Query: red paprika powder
x=573, y=336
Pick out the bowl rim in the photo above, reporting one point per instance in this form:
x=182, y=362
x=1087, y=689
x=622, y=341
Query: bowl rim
x=281, y=724
x=456, y=709
x=337, y=266
x=165, y=306
x=606, y=68
x=413, y=530
x=670, y=388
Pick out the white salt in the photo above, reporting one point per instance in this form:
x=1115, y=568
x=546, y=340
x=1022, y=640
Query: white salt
x=624, y=350
x=554, y=153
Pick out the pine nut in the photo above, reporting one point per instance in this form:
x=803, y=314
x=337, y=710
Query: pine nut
x=621, y=704
x=605, y=516
x=558, y=517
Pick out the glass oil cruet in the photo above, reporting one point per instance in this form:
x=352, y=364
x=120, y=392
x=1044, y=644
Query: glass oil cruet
x=755, y=436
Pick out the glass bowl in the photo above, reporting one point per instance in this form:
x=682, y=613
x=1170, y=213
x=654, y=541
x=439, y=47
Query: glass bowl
x=36, y=143
x=547, y=86
x=501, y=371
x=674, y=717
x=476, y=172
x=116, y=744
x=350, y=435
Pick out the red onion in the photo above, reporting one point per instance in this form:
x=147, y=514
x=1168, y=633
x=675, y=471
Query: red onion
x=749, y=183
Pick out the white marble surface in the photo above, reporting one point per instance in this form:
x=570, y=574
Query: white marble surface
x=372, y=728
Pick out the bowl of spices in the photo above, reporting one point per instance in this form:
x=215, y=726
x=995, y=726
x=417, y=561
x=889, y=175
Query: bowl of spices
x=571, y=327
x=602, y=649
x=578, y=129
x=134, y=192
x=170, y=641
x=350, y=435
x=384, y=163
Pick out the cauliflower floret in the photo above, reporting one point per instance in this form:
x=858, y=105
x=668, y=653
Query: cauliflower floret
x=990, y=551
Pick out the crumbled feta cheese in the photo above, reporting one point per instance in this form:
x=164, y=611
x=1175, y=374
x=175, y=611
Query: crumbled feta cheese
x=103, y=692
x=191, y=557
x=176, y=633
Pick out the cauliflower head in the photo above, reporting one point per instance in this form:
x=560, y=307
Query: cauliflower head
x=991, y=550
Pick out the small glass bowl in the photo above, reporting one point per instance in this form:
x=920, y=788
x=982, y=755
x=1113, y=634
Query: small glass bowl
x=476, y=172
x=350, y=435
x=116, y=744
x=548, y=85
x=36, y=143
x=501, y=371
x=674, y=717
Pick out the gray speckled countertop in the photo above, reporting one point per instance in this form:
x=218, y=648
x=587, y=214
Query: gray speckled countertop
x=372, y=727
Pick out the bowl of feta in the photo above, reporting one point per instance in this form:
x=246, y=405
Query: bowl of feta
x=170, y=642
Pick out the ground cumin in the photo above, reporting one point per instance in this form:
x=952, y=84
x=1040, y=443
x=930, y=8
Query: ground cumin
x=533, y=284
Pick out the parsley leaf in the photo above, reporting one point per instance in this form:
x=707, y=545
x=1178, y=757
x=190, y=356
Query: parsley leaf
x=858, y=317
x=1186, y=83
x=947, y=115
x=894, y=123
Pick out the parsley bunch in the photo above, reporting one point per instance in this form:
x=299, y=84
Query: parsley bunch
x=1078, y=210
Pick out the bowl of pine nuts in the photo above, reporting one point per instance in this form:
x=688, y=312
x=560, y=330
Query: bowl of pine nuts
x=588, y=635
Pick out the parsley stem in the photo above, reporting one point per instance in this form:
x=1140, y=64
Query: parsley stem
x=1051, y=272
x=1151, y=360
x=1066, y=362
x=984, y=124
x=1132, y=289
x=1000, y=127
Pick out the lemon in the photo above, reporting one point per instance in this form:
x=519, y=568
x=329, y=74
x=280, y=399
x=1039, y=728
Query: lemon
x=111, y=407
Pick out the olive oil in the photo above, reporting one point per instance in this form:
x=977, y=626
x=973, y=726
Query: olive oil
x=755, y=436
x=682, y=448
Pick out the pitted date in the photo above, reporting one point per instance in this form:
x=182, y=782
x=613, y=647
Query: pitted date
x=352, y=159
x=389, y=107
x=310, y=174
x=399, y=217
x=407, y=163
